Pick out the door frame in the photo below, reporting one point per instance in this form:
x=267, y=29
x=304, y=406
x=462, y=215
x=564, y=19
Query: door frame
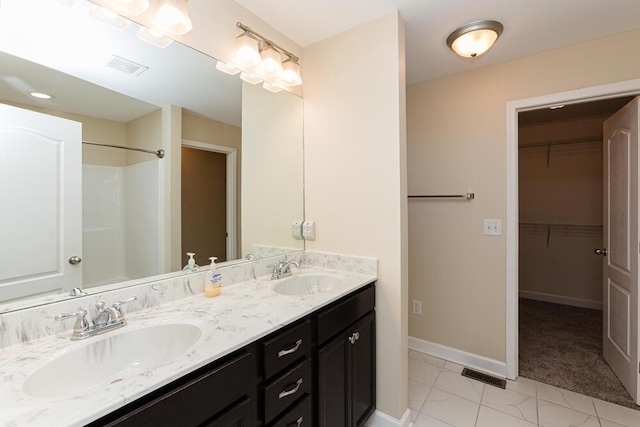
x=594, y=93
x=231, y=156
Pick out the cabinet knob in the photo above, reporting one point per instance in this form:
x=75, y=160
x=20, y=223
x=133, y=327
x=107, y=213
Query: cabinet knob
x=354, y=337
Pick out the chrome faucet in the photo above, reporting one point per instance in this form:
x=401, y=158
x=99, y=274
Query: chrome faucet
x=105, y=319
x=282, y=269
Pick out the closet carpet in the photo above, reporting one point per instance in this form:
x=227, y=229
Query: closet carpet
x=561, y=345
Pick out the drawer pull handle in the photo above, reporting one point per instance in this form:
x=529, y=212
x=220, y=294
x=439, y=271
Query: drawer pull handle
x=354, y=337
x=292, y=391
x=291, y=350
x=296, y=423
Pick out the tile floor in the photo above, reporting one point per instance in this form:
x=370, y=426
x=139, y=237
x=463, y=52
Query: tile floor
x=440, y=397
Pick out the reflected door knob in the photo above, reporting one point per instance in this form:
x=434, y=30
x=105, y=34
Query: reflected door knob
x=602, y=252
x=75, y=260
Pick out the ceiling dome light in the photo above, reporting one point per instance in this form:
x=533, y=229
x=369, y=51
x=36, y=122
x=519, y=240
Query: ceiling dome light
x=271, y=65
x=173, y=17
x=247, y=54
x=290, y=75
x=133, y=7
x=474, y=38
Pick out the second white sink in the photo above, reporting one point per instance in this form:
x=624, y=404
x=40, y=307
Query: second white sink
x=107, y=360
x=307, y=284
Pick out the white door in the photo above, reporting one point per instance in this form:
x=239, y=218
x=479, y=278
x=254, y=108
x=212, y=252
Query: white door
x=620, y=298
x=40, y=203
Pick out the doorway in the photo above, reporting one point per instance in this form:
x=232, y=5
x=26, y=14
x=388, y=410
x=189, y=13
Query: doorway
x=560, y=184
x=627, y=88
x=208, y=202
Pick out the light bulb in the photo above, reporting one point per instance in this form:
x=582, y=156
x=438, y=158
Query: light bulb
x=173, y=17
x=271, y=65
x=290, y=75
x=247, y=54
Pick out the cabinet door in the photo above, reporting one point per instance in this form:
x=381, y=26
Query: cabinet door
x=363, y=370
x=239, y=416
x=333, y=374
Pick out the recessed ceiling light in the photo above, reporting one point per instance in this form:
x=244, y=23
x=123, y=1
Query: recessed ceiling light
x=41, y=95
x=556, y=107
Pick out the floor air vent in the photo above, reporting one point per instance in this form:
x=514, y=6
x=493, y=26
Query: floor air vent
x=485, y=378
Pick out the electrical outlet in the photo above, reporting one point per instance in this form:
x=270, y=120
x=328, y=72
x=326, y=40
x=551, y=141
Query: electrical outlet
x=309, y=230
x=296, y=229
x=417, y=307
x=493, y=227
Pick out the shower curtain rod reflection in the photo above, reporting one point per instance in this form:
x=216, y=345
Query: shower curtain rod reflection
x=159, y=153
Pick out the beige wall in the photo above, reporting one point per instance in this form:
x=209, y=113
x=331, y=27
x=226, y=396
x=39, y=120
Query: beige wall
x=457, y=143
x=354, y=174
x=558, y=263
x=272, y=168
x=146, y=133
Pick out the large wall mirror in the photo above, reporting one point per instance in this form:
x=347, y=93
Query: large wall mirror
x=78, y=213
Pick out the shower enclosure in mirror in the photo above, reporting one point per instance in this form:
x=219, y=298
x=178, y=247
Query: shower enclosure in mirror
x=122, y=91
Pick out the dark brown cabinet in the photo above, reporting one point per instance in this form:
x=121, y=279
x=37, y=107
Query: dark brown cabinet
x=317, y=372
x=346, y=362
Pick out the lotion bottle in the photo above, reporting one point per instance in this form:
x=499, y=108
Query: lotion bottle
x=213, y=280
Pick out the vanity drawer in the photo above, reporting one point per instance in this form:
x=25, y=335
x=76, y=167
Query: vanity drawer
x=286, y=348
x=344, y=313
x=192, y=402
x=298, y=416
x=286, y=389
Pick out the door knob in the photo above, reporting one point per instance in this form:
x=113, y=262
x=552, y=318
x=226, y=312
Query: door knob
x=75, y=260
x=602, y=252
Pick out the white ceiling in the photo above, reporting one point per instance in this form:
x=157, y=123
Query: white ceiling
x=530, y=26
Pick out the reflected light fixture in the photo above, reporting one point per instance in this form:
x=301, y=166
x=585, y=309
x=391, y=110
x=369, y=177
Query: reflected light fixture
x=173, y=17
x=261, y=60
x=474, y=38
x=41, y=95
x=153, y=37
x=109, y=17
x=133, y=7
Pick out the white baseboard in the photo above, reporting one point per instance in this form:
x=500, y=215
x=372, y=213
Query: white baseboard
x=480, y=363
x=558, y=299
x=380, y=419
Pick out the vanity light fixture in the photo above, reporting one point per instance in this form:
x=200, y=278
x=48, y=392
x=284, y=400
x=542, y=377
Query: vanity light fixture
x=132, y=7
x=475, y=38
x=153, y=37
x=261, y=60
x=173, y=17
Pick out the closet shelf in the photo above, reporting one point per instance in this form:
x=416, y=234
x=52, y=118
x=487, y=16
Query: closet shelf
x=579, y=229
x=550, y=144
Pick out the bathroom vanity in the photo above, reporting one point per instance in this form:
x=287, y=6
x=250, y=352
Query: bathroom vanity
x=271, y=381
x=263, y=353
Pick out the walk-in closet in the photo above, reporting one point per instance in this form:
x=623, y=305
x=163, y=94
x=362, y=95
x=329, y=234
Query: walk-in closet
x=560, y=174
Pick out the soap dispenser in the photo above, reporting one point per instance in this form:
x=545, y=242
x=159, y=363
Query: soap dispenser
x=213, y=280
x=191, y=266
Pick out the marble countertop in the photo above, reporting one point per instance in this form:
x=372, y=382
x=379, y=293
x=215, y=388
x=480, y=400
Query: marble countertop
x=243, y=313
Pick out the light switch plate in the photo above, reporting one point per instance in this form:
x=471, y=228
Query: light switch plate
x=493, y=227
x=309, y=230
x=296, y=229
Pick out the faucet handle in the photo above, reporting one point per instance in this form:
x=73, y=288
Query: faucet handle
x=118, y=304
x=81, y=325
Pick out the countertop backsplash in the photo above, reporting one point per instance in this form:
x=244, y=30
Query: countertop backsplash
x=30, y=324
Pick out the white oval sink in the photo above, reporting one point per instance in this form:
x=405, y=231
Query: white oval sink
x=107, y=360
x=308, y=284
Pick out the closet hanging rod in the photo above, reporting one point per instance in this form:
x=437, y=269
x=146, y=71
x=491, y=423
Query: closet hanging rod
x=468, y=196
x=562, y=142
x=159, y=153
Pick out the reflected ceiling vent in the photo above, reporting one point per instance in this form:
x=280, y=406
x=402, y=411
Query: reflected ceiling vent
x=126, y=66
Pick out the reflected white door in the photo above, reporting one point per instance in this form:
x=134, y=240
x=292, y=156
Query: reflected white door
x=40, y=203
x=620, y=331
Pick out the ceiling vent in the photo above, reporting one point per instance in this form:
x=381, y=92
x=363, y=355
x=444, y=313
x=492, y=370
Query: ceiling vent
x=126, y=66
